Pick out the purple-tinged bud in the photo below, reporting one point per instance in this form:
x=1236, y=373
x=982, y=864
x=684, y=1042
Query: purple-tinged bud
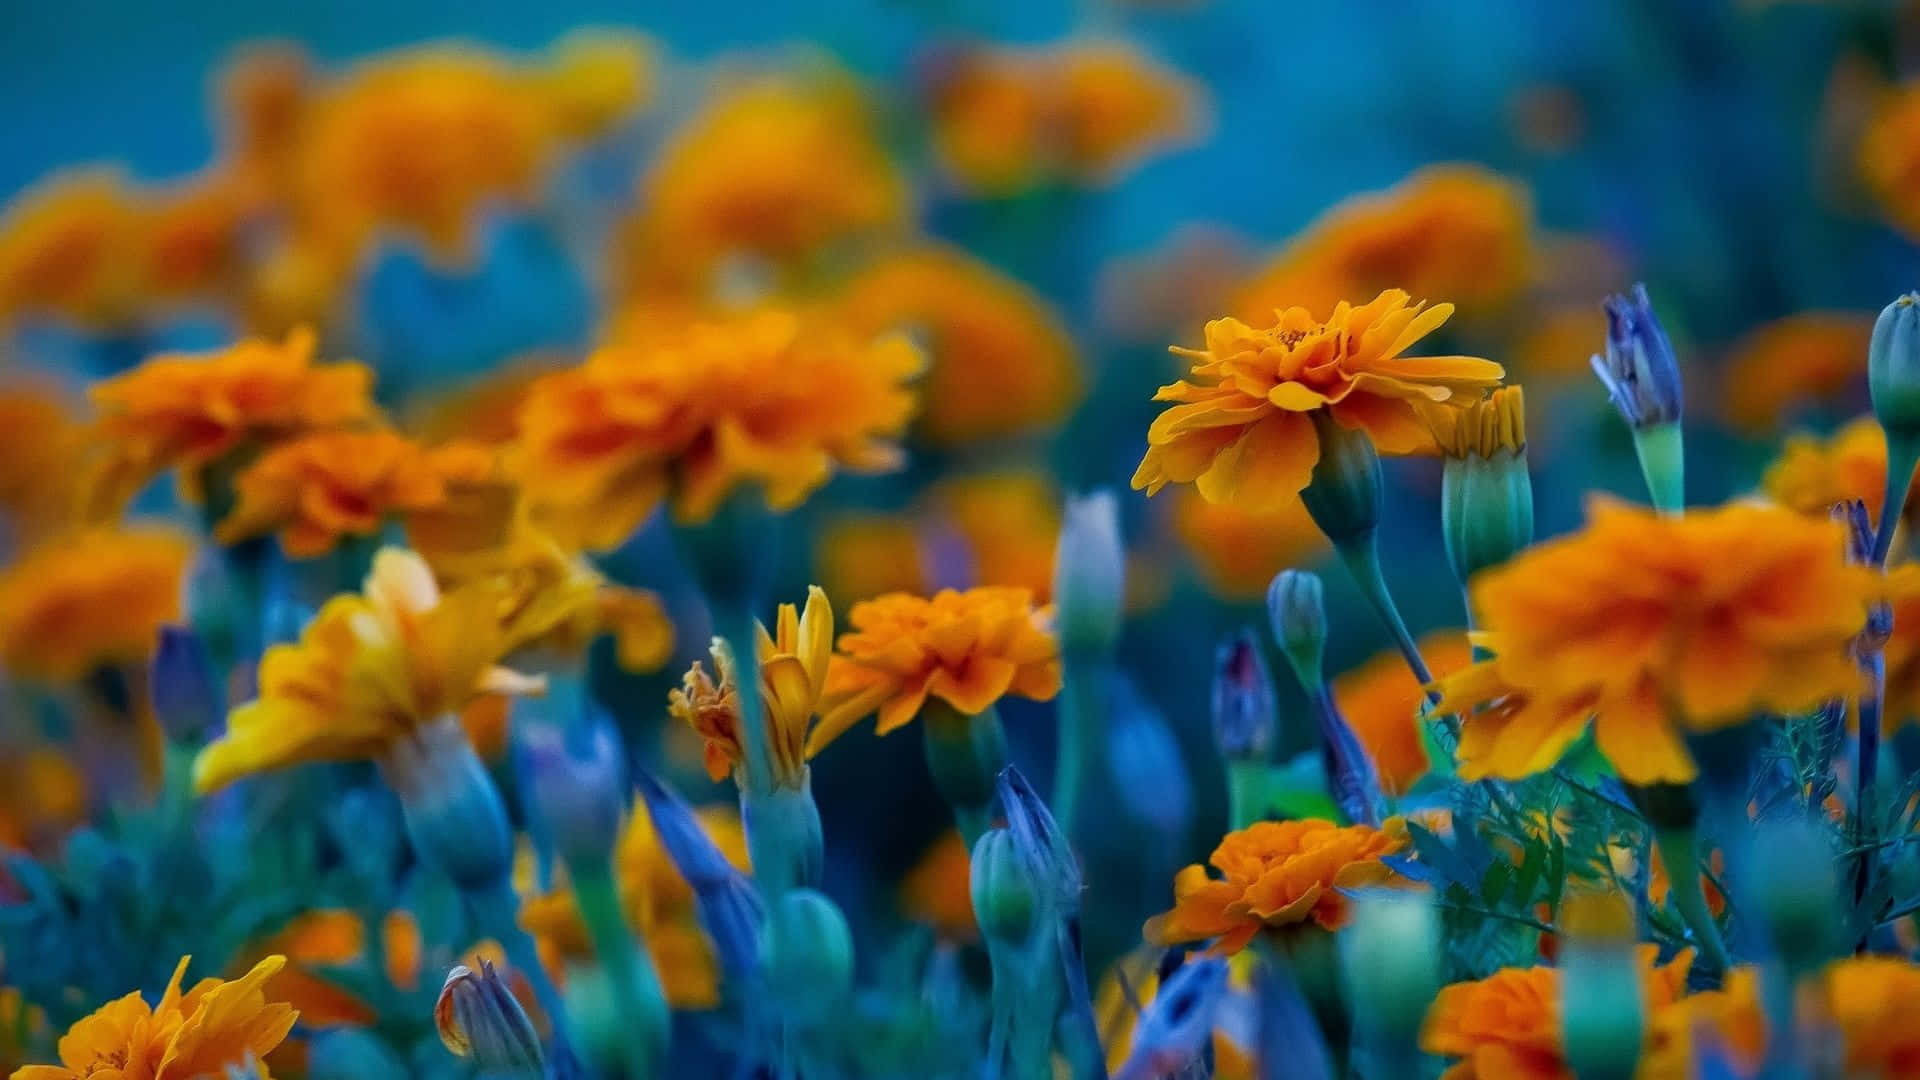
x=1352, y=779
x=730, y=909
x=479, y=1018
x=453, y=811
x=1242, y=699
x=186, y=700
x=806, y=958
x=1176, y=1028
x=579, y=791
x=1640, y=372
x=1089, y=574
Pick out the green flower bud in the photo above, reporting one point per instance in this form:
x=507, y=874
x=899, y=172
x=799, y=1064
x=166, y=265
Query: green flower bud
x=1089, y=574
x=1390, y=959
x=1893, y=365
x=1793, y=877
x=1344, y=496
x=452, y=809
x=1004, y=898
x=1486, y=500
x=806, y=957
x=965, y=755
x=1602, y=1017
x=1296, y=603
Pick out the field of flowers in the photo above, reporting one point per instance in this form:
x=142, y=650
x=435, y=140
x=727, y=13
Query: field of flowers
x=1027, y=558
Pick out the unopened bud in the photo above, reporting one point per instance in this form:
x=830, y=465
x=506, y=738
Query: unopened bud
x=1486, y=493
x=1089, y=574
x=478, y=1017
x=1893, y=365
x=1602, y=1014
x=1792, y=876
x=806, y=957
x=1004, y=898
x=1640, y=371
x=1390, y=957
x=1242, y=699
x=1296, y=604
x=186, y=699
x=1345, y=493
x=452, y=809
x=578, y=790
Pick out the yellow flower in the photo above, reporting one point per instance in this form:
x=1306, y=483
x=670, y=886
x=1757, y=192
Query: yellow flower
x=938, y=890
x=1813, y=356
x=188, y=411
x=319, y=487
x=1240, y=429
x=657, y=901
x=1812, y=474
x=769, y=168
x=1447, y=230
x=593, y=79
x=969, y=649
x=1507, y=1025
x=1000, y=363
x=371, y=670
x=762, y=397
x=1238, y=551
x=1276, y=875
x=185, y=1037
x=793, y=673
x=1382, y=700
x=1890, y=157
x=81, y=601
x=1082, y=112
x=1657, y=627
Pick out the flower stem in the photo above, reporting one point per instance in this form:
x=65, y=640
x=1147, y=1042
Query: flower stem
x=636, y=988
x=783, y=836
x=493, y=912
x=1663, y=463
x=1903, y=455
x=1246, y=792
x=1680, y=851
x=1362, y=556
x=1082, y=731
x=965, y=753
x=1866, y=813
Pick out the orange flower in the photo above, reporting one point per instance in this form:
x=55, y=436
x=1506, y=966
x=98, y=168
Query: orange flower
x=1276, y=875
x=1656, y=627
x=317, y=488
x=1382, y=700
x=190, y=410
x=1788, y=361
x=1507, y=1025
x=793, y=666
x=554, y=599
x=1241, y=430
x=197, y=1034
x=62, y=250
x=1556, y=347
x=1238, y=551
x=81, y=601
x=968, y=649
x=1890, y=157
x=938, y=890
x=1119, y=107
x=1447, y=230
x=861, y=556
x=763, y=397
x=1812, y=474
x=1732, y=1016
x=1000, y=363
x=40, y=440
x=43, y=795
x=473, y=527
x=1865, y=998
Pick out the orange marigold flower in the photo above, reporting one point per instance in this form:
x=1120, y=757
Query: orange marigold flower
x=1276, y=875
x=1241, y=429
x=1381, y=701
x=763, y=397
x=1656, y=627
x=1866, y=998
x=1812, y=474
x=63, y=250
x=793, y=674
x=40, y=440
x=1890, y=157
x=317, y=488
x=1238, y=551
x=1000, y=363
x=1814, y=356
x=1447, y=230
x=968, y=649
x=938, y=890
x=199, y=1033
x=80, y=601
x=1507, y=1025
x=189, y=410
x=472, y=525
x=861, y=556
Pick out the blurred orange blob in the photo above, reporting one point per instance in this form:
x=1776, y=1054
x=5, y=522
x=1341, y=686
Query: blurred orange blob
x=320, y=488
x=938, y=891
x=1237, y=550
x=85, y=600
x=1890, y=157
x=1801, y=359
x=1813, y=473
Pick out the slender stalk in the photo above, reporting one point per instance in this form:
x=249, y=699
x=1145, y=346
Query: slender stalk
x=1866, y=812
x=1362, y=556
x=1246, y=792
x=1680, y=851
x=1082, y=730
x=636, y=987
x=965, y=754
x=1663, y=464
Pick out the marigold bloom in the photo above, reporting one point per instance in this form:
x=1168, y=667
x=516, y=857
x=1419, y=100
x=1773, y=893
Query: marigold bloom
x=1276, y=875
x=1240, y=430
x=1447, y=230
x=40, y=440
x=1237, y=550
x=1381, y=701
x=763, y=397
x=186, y=1036
x=1507, y=1025
x=1811, y=474
x=320, y=487
x=793, y=673
x=1657, y=626
x=1866, y=998
x=187, y=411
x=371, y=669
x=938, y=890
x=1000, y=363
x=81, y=601
x=861, y=556
x=1814, y=356
x=969, y=649
x=63, y=250
x=1890, y=157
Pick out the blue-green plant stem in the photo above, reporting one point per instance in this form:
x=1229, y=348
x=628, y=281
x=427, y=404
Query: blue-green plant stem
x=965, y=754
x=636, y=987
x=783, y=836
x=493, y=912
x=1082, y=730
x=1866, y=810
x=737, y=629
x=1662, y=452
x=1680, y=852
x=1362, y=556
x=1903, y=455
x=1246, y=792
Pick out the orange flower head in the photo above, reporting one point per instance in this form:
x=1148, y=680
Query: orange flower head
x=317, y=488
x=186, y=1036
x=1655, y=627
x=764, y=397
x=469, y=530
x=1557, y=346
x=1276, y=875
x=63, y=250
x=1890, y=157
x=1381, y=701
x=793, y=673
x=1812, y=474
x=1241, y=428
x=937, y=891
x=1447, y=230
x=81, y=601
x=1731, y=1016
x=40, y=440
x=1815, y=356
x=1119, y=108
x=187, y=411
x=860, y=556
x=968, y=649
x=1863, y=997
x=1000, y=363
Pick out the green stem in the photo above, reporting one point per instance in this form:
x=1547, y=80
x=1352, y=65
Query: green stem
x=783, y=836
x=1362, y=556
x=1662, y=456
x=1082, y=731
x=636, y=988
x=737, y=629
x=1246, y=792
x=1903, y=455
x=1680, y=851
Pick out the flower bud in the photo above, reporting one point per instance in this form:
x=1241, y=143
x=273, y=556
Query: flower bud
x=1004, y=898
x=1242, y=699
x=1639, y=371
x=578, y=791
x=729, y=908
x=452, y=809
x=1176, y=1028
x=479, y=1018
x=1602, y=1014
x=1297, y=606
x=1792, y=877
x=1345, y=493
x=347, y=1053
x=1390, y=958
x=1486, y=494
x=186, y=700
x=1893, y=365
x=964, y=754
x=1089, y=574
x=806, y=957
